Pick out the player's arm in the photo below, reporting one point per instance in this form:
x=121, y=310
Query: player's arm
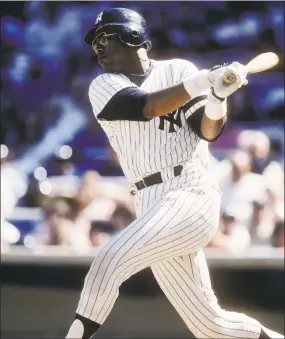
x=211, y=127
x=209, y=119
x=215, y=114
x=194, y=84
x=114, y=97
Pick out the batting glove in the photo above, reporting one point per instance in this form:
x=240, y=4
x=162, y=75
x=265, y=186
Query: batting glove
x=215, y=72
x=228, y=82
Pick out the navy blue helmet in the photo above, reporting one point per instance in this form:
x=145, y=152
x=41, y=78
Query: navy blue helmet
x=129, y=25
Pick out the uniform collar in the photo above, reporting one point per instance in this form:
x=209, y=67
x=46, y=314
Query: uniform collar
x=138, y=79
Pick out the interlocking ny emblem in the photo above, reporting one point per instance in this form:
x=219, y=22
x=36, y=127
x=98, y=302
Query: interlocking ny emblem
x=99, y=18
x=174, y=118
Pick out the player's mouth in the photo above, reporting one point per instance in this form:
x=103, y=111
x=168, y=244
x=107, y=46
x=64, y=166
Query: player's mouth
x=102, y=58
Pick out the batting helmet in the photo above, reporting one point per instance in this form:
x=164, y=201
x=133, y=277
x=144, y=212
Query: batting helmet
x=129, y=25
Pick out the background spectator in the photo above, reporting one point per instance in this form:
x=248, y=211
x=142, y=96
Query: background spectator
x=59, y=226
x=235, y=187
x=233, y=237
x=278, y=234
x=100, y=232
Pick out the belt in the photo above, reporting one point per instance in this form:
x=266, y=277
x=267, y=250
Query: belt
x=156, y=178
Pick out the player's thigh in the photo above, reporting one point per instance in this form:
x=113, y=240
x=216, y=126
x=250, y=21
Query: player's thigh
x=192, y=222
x=184, y=221
x=151, y=237
x=127, y=243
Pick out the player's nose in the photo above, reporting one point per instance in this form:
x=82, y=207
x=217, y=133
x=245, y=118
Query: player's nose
x=99, y=49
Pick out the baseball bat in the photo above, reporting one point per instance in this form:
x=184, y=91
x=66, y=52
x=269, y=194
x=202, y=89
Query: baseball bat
x=260, y=63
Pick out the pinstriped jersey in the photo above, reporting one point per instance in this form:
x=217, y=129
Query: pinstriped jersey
x=147, y=147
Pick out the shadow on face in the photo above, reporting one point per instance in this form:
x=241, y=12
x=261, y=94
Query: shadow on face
x=115, y=57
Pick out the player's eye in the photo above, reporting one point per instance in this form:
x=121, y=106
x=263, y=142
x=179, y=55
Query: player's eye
x=101, y=41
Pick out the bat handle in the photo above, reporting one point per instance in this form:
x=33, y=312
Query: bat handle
x=230, y=78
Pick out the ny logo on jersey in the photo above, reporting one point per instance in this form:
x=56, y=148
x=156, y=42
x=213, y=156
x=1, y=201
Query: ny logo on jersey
x=174, y=118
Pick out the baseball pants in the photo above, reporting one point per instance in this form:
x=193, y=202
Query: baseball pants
x=175, y=220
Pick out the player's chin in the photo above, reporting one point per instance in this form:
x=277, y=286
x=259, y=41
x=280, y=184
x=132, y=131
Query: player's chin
x=109, y=67
x=106, y=67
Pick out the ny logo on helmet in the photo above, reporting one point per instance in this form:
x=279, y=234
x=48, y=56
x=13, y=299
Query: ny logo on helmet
x=99, y=18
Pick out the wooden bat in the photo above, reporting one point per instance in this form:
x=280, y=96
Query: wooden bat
x=260, y=63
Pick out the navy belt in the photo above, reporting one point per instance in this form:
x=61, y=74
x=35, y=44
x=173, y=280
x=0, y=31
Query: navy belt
x=156, y=178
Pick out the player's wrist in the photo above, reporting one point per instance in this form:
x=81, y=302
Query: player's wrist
x=197, y=84
x=215, y=108
x=217, y=96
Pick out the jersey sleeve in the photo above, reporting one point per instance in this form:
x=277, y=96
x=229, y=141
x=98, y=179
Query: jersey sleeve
x=187, y=69
x=104, y=88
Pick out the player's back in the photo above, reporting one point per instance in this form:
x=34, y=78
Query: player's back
x=146, y=147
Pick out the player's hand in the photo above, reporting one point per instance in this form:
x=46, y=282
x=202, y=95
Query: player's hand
x=235, y=71
x=215, y=72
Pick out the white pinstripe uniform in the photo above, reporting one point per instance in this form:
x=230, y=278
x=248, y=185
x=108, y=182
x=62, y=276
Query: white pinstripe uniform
x=175, y=219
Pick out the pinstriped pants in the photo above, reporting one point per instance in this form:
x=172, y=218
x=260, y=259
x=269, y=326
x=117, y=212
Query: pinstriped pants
x=174, y=222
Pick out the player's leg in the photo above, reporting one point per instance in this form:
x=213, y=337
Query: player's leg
x=186, y=282
x=98, y=295
x=161, y=233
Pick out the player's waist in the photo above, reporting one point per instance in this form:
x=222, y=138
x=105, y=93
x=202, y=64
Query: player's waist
x=166, y=174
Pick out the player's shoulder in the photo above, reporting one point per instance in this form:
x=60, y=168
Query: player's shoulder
x=109, y=78
x=180, y=68
x=176, y=62
x=104, y=87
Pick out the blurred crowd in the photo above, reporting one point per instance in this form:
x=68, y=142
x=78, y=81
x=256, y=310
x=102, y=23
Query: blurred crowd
x=86, y=211
x=252, y=185
x=47, y=67
x=56, y=163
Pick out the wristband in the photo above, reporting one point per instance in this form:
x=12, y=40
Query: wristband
x=215, y=95
x=214, y=108
x=197, y=84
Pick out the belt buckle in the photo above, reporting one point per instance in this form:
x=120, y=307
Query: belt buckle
x=140, y=185
x=133, y=189
x=144, y=183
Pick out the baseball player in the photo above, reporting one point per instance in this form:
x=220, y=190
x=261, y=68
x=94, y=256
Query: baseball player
x=159, y=117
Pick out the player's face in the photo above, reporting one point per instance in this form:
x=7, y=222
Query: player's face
x=112, y=54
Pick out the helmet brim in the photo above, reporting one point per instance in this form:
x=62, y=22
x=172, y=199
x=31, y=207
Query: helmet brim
x=90, y=36
x=121, y=30
x=93, y=32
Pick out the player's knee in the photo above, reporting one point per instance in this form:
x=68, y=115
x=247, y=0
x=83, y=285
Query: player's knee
x=104, y=259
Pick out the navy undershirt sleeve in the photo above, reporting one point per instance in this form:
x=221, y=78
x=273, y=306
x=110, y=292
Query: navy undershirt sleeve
x=127, y=104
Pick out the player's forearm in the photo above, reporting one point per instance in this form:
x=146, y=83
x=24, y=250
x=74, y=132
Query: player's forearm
x=167, y=100
x=214, y=117
x=211, y=129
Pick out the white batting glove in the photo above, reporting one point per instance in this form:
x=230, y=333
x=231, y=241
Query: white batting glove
x=215, y=72
x=236, y=74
